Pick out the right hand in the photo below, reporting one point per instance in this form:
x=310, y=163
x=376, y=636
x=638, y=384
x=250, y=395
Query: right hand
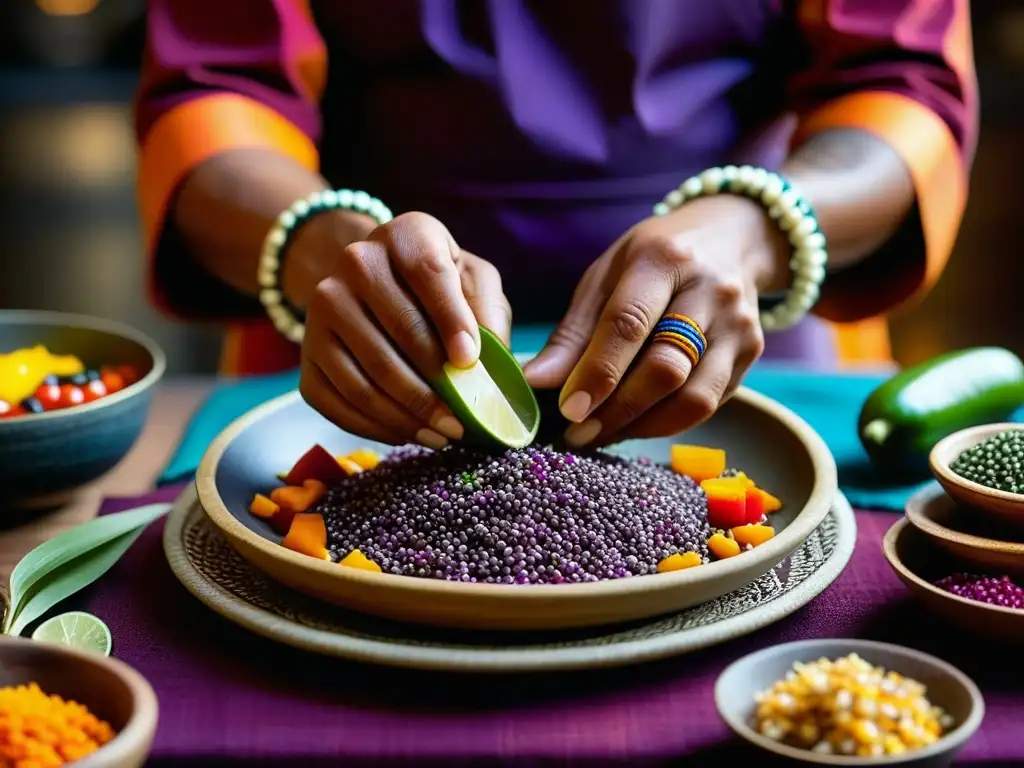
x=398, y=305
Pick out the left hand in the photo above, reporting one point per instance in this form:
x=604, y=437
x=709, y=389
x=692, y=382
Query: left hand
x=706, y=260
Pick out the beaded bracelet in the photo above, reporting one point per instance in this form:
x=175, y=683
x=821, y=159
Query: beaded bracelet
x=793, y=215
x=268, y=274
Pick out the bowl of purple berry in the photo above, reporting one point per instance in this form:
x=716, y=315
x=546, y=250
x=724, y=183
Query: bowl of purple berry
x=975, y=599
x=533, y=538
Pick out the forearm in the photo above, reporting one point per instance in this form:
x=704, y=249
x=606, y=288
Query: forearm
x=228, y=203
x=860, y=190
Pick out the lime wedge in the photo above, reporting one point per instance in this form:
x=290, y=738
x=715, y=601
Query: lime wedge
x=492, y=398
x=77, y=629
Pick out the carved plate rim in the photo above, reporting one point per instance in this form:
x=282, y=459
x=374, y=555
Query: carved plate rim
x=483, y=659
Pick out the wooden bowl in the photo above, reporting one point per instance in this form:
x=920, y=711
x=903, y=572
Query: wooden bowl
x=45, y=456
x=1006, y=508
x=775, y=447
x=947, y=686
x=918, y=562
x=960, y=532
x=110, y=689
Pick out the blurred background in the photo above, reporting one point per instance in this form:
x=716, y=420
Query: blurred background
x=67, y=163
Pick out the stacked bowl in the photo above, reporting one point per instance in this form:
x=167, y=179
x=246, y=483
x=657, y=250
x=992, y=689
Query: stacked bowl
x=960, y=547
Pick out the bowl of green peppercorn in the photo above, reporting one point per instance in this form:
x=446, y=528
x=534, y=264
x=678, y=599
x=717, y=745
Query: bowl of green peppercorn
x=983, y=468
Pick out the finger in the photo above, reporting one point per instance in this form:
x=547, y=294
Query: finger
x=693, y=403
x=375, y=353
x=425, y=256
x=660, y=370
x=367, y=266
x=627, y=320
x=552, y=366
x=317, y=390
x=360, y=392
x=481, y=285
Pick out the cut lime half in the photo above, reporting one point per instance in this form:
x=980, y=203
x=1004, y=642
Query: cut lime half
x=78, y=630
x=492, y=398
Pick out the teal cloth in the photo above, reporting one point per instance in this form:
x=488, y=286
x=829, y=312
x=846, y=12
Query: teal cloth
x=828, y=402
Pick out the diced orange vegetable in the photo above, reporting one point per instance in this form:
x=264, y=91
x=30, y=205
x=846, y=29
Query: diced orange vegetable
x=356, y=559
x=754, y=535
x=722, y=546
x=365, y=458
x=743, y=476
x=295, y=500
x=349, y=466
x=679, y=561
x=316, y=464
x=263, y=507
x=712, y=483
x=698, y=462
x=771, y=504
x=307, y=535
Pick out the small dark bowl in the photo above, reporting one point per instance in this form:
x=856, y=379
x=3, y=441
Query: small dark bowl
x=110, y=689
x=45, y=456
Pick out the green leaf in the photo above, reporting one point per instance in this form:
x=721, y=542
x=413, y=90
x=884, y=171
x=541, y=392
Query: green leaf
x=66, y=563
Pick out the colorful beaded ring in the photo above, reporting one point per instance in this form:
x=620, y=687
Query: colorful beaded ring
x=682, y=332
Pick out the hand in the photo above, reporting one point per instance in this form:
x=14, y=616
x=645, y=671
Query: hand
x=397, y=306
x=706, y=260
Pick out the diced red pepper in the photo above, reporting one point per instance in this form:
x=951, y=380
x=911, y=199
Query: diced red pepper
x=727, y=506
x=316, y=464
x=755, y=505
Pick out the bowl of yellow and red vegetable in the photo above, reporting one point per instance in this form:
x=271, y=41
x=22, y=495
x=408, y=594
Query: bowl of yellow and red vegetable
x=262, y=480
x=62, y=706
x=74, y=395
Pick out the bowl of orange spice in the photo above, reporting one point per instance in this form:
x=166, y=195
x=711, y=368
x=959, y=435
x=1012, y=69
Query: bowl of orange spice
x=60, y=706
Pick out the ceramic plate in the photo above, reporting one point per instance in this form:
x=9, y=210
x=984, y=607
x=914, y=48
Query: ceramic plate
x=214, y=572
x=772, y=444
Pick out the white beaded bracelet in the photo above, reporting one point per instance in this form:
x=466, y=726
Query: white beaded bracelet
x=298, y=213
x=793, y=215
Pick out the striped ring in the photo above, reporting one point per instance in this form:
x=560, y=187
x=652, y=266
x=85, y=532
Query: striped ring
x=680, y=343
x=686, y=331
x=683, y=333
x=685, y=321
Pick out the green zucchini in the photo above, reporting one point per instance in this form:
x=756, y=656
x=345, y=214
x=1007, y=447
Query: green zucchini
x=905, y=417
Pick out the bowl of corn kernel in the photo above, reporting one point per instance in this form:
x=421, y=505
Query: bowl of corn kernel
x=61, y=706
x=850, y=702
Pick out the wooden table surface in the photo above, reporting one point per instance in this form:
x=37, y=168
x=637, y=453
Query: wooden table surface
x=173, y=402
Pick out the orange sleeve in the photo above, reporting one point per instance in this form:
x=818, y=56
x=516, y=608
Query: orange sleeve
x=909, y=80
x=249, y=76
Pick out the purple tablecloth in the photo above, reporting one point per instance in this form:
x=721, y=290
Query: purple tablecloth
x=228, y=697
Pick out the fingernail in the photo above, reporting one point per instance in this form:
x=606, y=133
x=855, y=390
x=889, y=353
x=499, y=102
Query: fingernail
x=576, y=406
x=447, y=425
x=582, y=434
x=464, y=350
x=431, y=439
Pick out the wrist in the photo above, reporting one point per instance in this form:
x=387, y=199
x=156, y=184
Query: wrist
x=767, y=250
x=314, y=251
